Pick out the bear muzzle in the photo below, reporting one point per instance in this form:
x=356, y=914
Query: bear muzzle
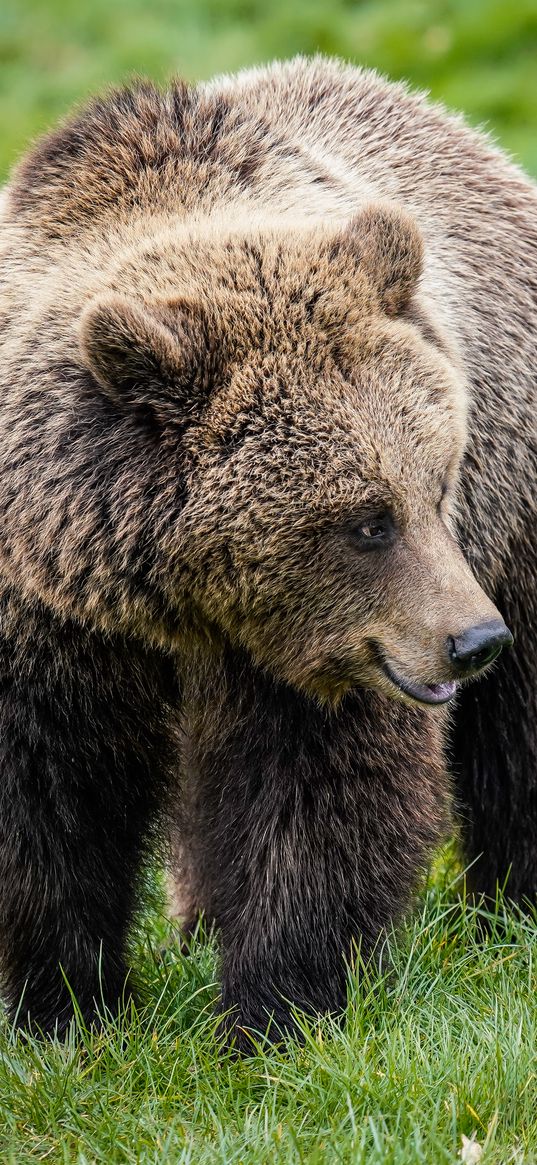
x=478, y=646
x=467, y=654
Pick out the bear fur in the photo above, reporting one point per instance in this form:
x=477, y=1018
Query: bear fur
x=267, y=421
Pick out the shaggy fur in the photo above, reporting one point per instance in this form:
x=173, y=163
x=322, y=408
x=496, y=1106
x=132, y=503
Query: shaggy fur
x=240, y=324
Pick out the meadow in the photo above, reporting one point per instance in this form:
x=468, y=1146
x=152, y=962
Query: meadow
x=479, y=56
x=440, y=1043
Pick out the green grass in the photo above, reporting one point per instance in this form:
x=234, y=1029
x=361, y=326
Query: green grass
x=441, y=1044
x=477, y=55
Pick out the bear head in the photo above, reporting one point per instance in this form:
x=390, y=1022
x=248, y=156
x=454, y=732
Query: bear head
x=318, y=421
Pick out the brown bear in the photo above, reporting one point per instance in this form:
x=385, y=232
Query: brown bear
x=268, y=469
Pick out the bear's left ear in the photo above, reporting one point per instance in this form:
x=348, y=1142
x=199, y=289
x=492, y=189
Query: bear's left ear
x=388, y=247
x=152, y=355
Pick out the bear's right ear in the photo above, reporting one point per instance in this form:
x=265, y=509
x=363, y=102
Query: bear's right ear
x=152, y=355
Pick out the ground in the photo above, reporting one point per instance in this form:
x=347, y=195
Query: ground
x=439, y=1047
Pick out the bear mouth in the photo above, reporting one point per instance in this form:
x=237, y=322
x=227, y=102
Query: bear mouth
x=421, y=693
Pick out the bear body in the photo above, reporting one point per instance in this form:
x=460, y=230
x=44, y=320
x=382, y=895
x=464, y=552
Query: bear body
x=268, y=469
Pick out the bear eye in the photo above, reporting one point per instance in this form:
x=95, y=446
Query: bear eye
x=373, y=532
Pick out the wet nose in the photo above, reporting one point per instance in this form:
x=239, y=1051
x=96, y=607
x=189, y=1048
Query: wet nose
x=477, y=646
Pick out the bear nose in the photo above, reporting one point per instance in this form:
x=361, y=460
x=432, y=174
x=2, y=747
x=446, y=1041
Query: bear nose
x=477, y=646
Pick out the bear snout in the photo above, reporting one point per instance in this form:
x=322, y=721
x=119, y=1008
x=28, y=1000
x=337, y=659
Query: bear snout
x=478, y=646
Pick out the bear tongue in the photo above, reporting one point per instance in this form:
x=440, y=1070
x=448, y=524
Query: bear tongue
x=427, y=693
x=442, y=691
x=423, y=693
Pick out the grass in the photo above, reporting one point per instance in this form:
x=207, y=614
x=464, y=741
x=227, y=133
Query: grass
x=439, y=1046
x=476, y=55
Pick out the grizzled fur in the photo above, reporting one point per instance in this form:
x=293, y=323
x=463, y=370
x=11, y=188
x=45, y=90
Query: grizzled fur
x=237, y=322
x=328, y=818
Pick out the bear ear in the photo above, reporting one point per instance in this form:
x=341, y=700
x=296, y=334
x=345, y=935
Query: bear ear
x=151, y=355
x=389, y=249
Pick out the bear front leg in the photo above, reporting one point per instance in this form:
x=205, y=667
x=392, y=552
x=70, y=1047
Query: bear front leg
x=84, y=761
x=307, y=831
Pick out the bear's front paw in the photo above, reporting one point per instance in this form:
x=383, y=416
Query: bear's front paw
x=244, y=1028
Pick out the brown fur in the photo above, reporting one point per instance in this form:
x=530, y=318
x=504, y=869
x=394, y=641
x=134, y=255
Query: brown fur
x=238, y=322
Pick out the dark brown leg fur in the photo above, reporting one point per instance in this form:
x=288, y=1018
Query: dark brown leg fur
x=494, y=760
x=84, y=749
x=306, y=830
